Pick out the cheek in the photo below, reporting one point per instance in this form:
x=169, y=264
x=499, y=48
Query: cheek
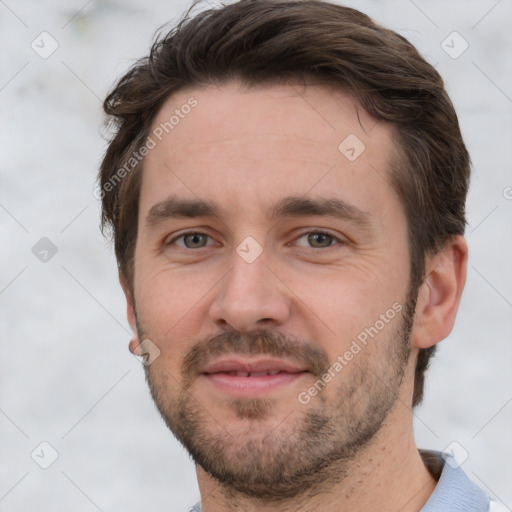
x=351, y=292
x=160, y=302
x=349, y=303
x=161, y=309
x=172, y=305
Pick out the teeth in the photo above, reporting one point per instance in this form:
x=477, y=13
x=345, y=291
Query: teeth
x=254, y=374
x=259, y=374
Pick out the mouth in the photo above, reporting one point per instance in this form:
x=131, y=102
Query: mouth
x=252, y=378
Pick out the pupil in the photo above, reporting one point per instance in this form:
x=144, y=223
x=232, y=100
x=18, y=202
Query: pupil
x=319, y=238
x=195, y=239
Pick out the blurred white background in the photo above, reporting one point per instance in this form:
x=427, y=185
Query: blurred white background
x=66, y=376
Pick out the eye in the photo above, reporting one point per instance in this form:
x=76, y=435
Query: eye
x=191, y=240
x=318, y=239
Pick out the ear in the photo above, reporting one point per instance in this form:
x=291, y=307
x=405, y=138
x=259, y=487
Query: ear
x=130, y=313
x=439, y=295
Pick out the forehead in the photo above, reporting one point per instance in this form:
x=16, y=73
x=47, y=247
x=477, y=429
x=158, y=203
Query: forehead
x=244, y=145
x=318, y=114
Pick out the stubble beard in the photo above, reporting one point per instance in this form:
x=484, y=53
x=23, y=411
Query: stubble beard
x=272, y=461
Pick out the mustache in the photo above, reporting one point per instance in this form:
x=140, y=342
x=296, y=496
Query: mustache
x=263, y=342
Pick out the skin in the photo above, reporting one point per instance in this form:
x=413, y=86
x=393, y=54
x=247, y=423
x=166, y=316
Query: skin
x=246, y=149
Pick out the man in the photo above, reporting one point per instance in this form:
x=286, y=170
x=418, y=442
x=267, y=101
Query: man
x=286, y=191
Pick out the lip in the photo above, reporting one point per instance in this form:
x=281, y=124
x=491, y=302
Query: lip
x=233, y=376
x=251, y=366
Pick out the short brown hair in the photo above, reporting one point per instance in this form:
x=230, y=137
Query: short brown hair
x=275, y=41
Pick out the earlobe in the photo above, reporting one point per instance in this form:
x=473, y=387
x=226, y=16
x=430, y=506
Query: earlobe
x=134, y=345
x=130, y=313
x=439, y=295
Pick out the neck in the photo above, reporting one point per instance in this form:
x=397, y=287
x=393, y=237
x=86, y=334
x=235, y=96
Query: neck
x=387, y=474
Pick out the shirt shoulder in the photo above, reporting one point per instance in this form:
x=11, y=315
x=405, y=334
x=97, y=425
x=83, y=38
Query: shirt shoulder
x=454, y=491
x=494, y=506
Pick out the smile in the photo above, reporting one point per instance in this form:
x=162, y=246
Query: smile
x=251, y=378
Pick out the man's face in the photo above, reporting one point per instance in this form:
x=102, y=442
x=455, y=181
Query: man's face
x=276, y=282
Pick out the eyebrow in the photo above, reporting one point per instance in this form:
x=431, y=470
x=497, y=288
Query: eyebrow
x=291, y=206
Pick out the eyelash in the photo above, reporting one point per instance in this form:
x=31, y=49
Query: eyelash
x=334, y=238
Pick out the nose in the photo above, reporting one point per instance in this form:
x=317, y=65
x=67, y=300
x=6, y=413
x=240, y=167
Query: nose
x=250, y=297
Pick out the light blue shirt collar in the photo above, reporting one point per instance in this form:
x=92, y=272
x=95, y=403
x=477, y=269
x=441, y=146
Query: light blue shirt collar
x=454, y=491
